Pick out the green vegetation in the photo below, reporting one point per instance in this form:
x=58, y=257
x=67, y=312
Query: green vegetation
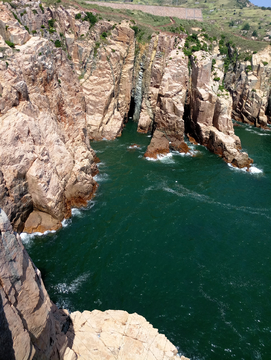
x=78, y=16
x=51, y=23
x=41, y=7
x=34, y=32
x=96, y=47
x=27, y=28
x=221, y=17
x=10, y=44
x=249, y=68
x=255, y=34
x=213, y=64
x=92, y=19
x=58, y=43
x=246, y=27
x=16, y=17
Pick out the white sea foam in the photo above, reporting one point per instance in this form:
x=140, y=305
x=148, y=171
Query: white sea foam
x=191, y=152
x=259, y=132
x=161, y=157
x=64, y=288
x=134, y=147
x=27, y=238
x=252, y=170
x=101, y=177
x=76, y=212
x=66, y=222
x=100, y=164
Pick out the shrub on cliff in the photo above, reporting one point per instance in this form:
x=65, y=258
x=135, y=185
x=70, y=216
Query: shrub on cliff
x=92, y=19
x=57, y=43
x=51, y=23
x=10, y=44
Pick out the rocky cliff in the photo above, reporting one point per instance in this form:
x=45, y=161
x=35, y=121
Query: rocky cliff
x=249, y=84
x=68, y=76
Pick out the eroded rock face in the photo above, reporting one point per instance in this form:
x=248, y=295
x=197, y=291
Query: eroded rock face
x=30, y=323
x=165, y=92
x=249, y=85
x=45, y=159
x=210, y=119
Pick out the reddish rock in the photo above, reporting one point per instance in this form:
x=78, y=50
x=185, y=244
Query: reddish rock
x=159, y=145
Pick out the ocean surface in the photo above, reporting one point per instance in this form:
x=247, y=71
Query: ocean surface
x=184, y=241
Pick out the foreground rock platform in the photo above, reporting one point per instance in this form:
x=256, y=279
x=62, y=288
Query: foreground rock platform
x=115, y=334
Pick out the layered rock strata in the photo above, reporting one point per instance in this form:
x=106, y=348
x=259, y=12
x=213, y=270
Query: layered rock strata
x=210, y=112
x=32, y=327
x=46, y=163
x=249, y=85
x=164, y=93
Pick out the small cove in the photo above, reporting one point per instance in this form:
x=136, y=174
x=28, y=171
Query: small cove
x=183, y=241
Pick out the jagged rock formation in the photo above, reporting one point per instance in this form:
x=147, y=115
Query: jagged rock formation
x=164, y=87
x=249, y=85
x=32, y=327
x=210, y=119
x=30, y=323
x=72, y=81
x=46, y=163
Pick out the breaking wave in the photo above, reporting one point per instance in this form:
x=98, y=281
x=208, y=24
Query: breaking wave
x=252, y=170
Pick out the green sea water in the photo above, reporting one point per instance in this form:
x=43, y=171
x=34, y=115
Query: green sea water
x=184, y=241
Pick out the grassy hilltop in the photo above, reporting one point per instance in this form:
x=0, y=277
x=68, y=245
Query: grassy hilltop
x=245, y=25
x=236, y=22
